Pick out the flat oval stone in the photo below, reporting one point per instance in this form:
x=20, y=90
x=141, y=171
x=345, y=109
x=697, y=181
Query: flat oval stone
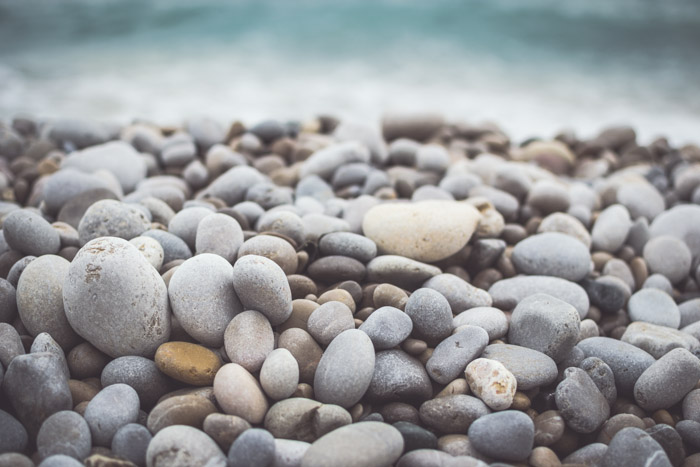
x=507, y=435
x=190, y=410
x=180, y=446
x=203, y=297
x=530, y=367
x=632, y=446
x=659, y=340
x=13, y=435
x=279, y=375
x=110, y=218
x=552, y=254
x=460, y=294
x=425, y=231
x=275, y=248
x=381, y=444
x=348, y=244
x=252, y=448
x=507, y=293
x=190, y=363
x=261, y=285
x=611, y=228
x=239, y=393
x=398, y=376
x=40, y=299
x=305, y=351
x=654, y=306
x=491, y=382
x=345, y=370
x=492, y=320
x=109, y=273
x=626, y=361
x=332, y=269
x=36, y=387
x=400, y=271
x=112, y=408
x=66, y=433
x=131, y=442
x=329, y=320
x=580, y=402
x=431, y=314
x=452, y=414
x=546, y=324
x=248, y=340
x=453, y=354
x=667, y=381
x=141, y=374
x=668, y=256
x=387, y=327
x=29, y=233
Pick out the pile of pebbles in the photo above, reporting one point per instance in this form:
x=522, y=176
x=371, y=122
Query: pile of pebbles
x=331, y=293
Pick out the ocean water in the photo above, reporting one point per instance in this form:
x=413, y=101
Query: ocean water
x=532, y=66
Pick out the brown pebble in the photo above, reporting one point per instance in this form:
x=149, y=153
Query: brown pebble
x=84, y=361
x=81, y=408
x=190, y=410
x=301, y=286
x=338, y=295
x=304, y=390
x=692, y=461
x=106, y=460
x=600, y=258
x=81, y=391
x=617, y=423
x=190, y=363
x=389, y=295
x=549, y=428
x=520, y=402
x=543, y=457
x=414, y=346
x=624, y=406
x=425, y=356
x=457, y=386
x=486, y=278
x=224, y=429
x=354, y=288
x=206, y=392
x=304, y=349
x=368, y=296
x=400, y=412
x=364, y=313
x=301, y=310
x=662, y=416
x=302, y=261
x=505, y=266
x=640, y=272
x=359, y=411
x=567, y=444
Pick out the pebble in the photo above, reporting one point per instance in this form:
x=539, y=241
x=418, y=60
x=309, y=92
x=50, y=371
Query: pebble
x=566, y=224
x=679, y=222
x=632, y=446
x=348, y=244
x=8, y=301
x=658, y=340
x=387, y=327
x=426, y=231
x=549, y=428
x=491, y=382
x=690, y=312
x=239, y=393
x=224, y=429
x=552, y=254
x=232, y=185
x=289, y=452
x=626, y=361
x=668, y=256
x=248, y=340
x=60, y=460
x=253, y=448
x=279, y=375
x=398, y=376
x=85, y=361
x=275, y=248
x=66, y=433
x=641, y=200
x=460, y=294
x=173, y=246
x=119, y=158
x=303, y=419
x=507, y=435
x=492, y=320
x=141, y=374
x=603, y=377
x=112, y=408
x=531, y=368
x=203, y=298
x=190, y=409
x=180, y=446
x=131, y=442
x=591, y=454
x=329, y=320
x=30, y=234
x=431, y=315
x=45, y=343
x=68, y=184
x=415, y=437
x=109, y=272
x=190, y=363
x=617, y=423
x=453, y=413
x=381, y=444
x=608, y=293
x=110, y=218
x=261, y=285
x=581, y=404
x=654, y=306
x=400, y=271
x=507, y=293
x=345, y=370
x=285, y=223
x=689, y=430
x=13, y=435
x=36, y=387
x=611, y=228
x=667, y=381
x=326, y=161
x=670, y=441
x=151, y=249
x=305, y=351
x=453, y=354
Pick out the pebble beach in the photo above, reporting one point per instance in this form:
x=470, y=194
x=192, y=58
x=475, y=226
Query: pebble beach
x=420, y=292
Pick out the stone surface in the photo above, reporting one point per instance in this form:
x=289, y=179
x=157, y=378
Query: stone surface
x=173, y=246
x=329, y=320
x=492, y=320
x=66, y=433
x=275, y=248
x=181, y=446
x=13, y=435
x=654, y=306
x=387, y=327
x=566, y=224
x=348, y=244
x=530, y=367
x=248, y=340
x=603, y=377
x=667, y=381
x=190, y=363
x=279, y=375
x=112, y=408
x=120, y=158
x=659, y=340
x=679, y=222
x=668, y=256
x=398, y=376
x=632, y=446
x=254, y=447
x=452, y=414
x=507, y=293
x=491, y=382
x=327, y=160
x=141, y=374
x=453, y=354
x=580, y=402
x=110, y=218
x=151, y=249
x=611, y=228
x=507, y=435
x=400, y=271
x=552, y=254
x=239, y=393
x=460, y=294
x=304, y=419
x=261, y=285
x=431, y=315
x=29, y=233
x=131, y=442
x=107, y=274
x=189, y=409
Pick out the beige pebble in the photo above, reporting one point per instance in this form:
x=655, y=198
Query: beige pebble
x=491, y=382
x=239, y=393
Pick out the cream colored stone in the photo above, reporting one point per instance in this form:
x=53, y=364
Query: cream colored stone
x=491, y=382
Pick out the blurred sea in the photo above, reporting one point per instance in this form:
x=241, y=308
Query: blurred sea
x=532, y=66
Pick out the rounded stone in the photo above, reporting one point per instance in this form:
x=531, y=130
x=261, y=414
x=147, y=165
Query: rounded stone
x=332, y=269
x=329, y=320
x=425, y=231
x=8, y=301
x=304, y=419
x=580, y=402
x=326, y=161
x=507, y=293
x=452, y=414
x=109, y=274
x=131, y=442
x=679, y=222
x=261, y=285
x=641, y=200
x=151, y=249
x=416, y=437
x=431, y=314
x=552, y=254
x=398, y=376
x=632, y=446
x=460, y=294
x=507, y=435
x=110, y=218
x=40, y=299
x=305, y=351
x=45, y=343
x=453, y=354
x=190, y=410
x=603, y=377
x=173, y=246
x=492, y=320
x=60, y=460
x=279, y=375
x=239, y=393
x=289, y=452
x=654, y=306
x=112, y=408
x=611, y=228
x=203, y=297
x=13, y=435
x=249, y=340
x=141, y=374
x=29, y=233
x=387, y=327
x=400, y=271
x=668, y=256
x=348, y=244
x=275, y=248
x=182, y=446
x=549, y=428
x=546, y=324
x=491, y=382
x=345, y=370
x=224, y=429
x=190, y=363
x=185, y=223
x=566, y=224
x=66, y=433
x=659, y=340
x=253, y=448
x=381, y=444
x=667, y=381
x=531, y=368
x=118, y=157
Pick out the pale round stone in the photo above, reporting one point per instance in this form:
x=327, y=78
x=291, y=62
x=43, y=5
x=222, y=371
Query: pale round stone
x=151, y=249
x=249, y=340
x=491, y=382
x=261, y=285
x=279, y=375
x=219, y=234
x=238, y=393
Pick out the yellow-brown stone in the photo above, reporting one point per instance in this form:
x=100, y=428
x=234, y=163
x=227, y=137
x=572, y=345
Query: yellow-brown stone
x=190, y=363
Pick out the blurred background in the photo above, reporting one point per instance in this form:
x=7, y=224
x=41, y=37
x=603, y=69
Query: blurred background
x=532, y=66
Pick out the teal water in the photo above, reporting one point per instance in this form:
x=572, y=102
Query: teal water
x=534, y=67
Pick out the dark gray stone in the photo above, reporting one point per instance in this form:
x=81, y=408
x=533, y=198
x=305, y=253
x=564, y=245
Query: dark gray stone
x=667, y=381
x=398, y=376
x=64, y=432
x=13, y=436
x=141, y=374
x=253, y=448
x=689, y=430
x=602, y=375
x=30, y=234
x=580, y=402
x=431, y=315
x=387, y=327
x=8, y=301
x=607, y=293
x=348, y=244
x=452, y=414
x=531, y=368
x=552, y=254
x=173, y=246
x=633, y=447
x=112, y=408
x=131, y=442
x=400, y=271
x=507, y=435
x=416, y=437
x=670, y=440
x=453, y=354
